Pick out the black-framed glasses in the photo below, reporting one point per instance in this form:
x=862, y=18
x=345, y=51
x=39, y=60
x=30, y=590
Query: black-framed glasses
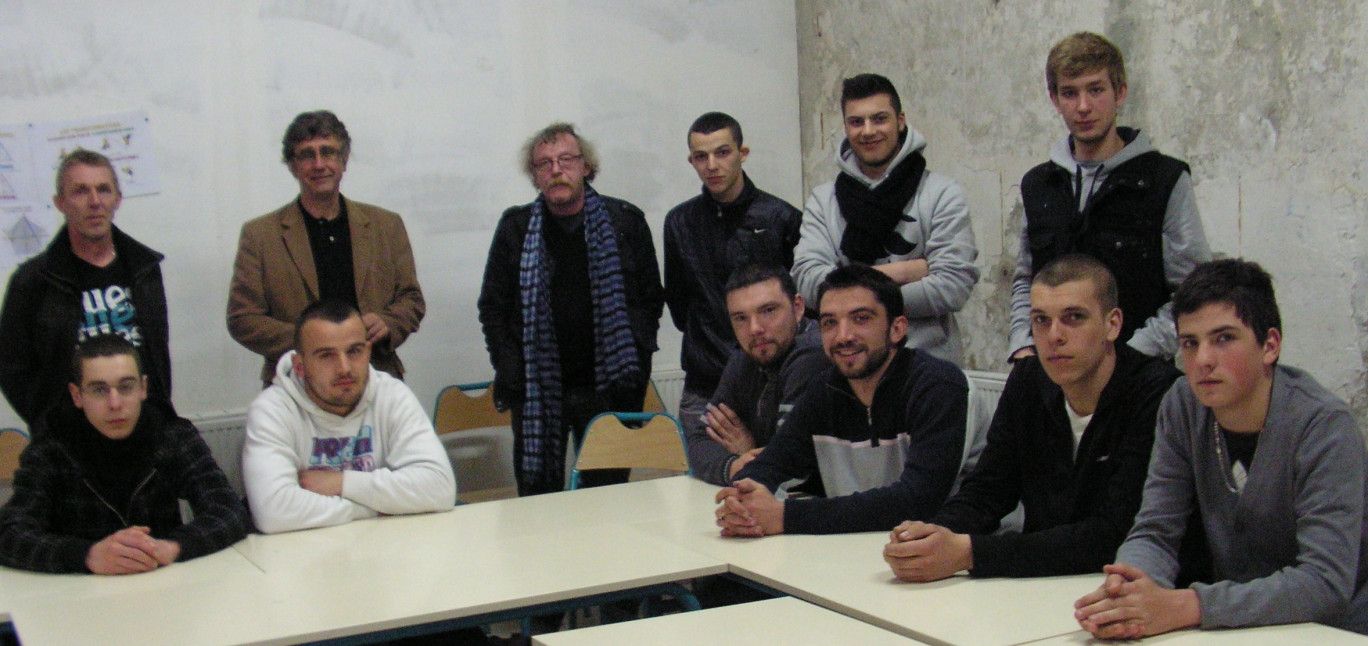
x=328, y=153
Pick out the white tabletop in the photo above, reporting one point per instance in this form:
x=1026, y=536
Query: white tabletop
x=776, y=621
x=1262, y=636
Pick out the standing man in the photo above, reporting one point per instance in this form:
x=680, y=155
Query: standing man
x=115, y=450
x=323, y=245
x=332, y=441
x=1265, y=459
x=730, y=225
x=883, y=431
x=92, y=279
x=780, y=355
x=1070, y=441
x=570, y=306
x=1108, y=193
x=885, y=209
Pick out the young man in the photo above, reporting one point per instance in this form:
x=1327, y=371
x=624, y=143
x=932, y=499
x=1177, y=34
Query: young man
x=93, y=279
x=332, y=441
x=732, y=224
x=1108, y=193
x=323, y=245
x=780, y=354
x=97, y=490
x=570, y=306
x=1272, y=462
x=1070, y=441
x=883, y=429
x=885, y=209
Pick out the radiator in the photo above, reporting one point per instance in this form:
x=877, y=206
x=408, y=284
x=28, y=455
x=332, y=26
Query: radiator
x=223, y=431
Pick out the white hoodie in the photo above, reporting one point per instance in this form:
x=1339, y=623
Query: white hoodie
x=391, y=459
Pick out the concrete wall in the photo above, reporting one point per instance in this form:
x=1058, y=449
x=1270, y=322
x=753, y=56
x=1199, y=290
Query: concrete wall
x=1264, y=99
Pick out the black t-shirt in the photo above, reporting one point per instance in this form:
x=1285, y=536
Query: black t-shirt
x=1242, y=446
x=106, y=303
x=572, y=307
x=330, y=241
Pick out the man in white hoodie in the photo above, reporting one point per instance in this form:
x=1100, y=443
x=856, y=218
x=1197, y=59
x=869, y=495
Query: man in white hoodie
x=885, y=209
x=333, y=441
x=1108, y=193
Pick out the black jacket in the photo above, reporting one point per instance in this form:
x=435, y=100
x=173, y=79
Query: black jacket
x=1077, y=510
x=500, y=301
x=58, y=512
x=704, y=244
x=42, y=311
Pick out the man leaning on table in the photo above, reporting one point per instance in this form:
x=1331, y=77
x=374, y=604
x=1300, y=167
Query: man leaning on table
x=1070, y=441
x=1271, y=462
x=332, y=441
x=883, y=429
x=98, y=489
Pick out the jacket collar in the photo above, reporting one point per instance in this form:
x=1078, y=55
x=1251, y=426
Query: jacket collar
x=59, y=260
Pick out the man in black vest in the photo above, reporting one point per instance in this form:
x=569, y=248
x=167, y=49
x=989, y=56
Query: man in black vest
x=1107, y=192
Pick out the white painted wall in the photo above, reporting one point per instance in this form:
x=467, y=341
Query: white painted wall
x=437, y=96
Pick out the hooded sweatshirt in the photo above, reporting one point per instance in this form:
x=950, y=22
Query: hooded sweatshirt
x=1184, y=242
x=391, y=459
x=935, y=227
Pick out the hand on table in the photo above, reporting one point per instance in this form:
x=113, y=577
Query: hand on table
x=748, y=509
x=127, y=551
x=921, y=552
x=1129, y=605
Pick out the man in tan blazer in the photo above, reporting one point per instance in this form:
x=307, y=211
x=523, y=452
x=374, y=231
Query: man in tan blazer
x=323, y=245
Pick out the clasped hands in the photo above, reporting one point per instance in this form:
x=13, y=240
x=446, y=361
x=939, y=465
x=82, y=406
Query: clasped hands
x=129, y=551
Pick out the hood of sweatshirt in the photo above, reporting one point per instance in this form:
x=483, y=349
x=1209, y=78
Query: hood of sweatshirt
x=293, y=384
x=845, y=157
x=1087, y=178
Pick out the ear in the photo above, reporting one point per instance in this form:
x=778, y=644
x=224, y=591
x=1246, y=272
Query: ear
x=902, y=122
x=799, y=306
x=297, y=364
x=744, y=151
x=1114, y=319
x=142, y=388
x=1272, y=346
x=1121, y=93
x=75, y=395
x=897, y=330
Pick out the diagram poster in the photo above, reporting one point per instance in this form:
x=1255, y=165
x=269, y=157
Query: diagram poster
x=125, y=139
x=25, y=230
x=18, y=182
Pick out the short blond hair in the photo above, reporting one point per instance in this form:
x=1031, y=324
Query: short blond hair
x=1081, y=53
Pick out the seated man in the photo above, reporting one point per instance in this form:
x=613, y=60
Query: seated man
x=113, y=453
x=1070, y=440
x=333, y=441
x=884, y=428
x=780, y=353
x=1272, y=463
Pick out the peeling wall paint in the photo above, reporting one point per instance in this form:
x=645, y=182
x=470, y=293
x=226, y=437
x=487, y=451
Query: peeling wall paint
x=1265, y=99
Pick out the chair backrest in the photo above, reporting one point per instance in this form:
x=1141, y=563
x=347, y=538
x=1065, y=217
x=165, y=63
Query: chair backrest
x=653, y=403
x=458, y=410
x=610, y=444
x=12, y=443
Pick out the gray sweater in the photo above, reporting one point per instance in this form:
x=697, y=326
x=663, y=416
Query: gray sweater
x=1289, y=547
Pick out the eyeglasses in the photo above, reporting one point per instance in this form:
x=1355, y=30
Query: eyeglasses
x=565, y=161
x=125, y=388
x=328, y=153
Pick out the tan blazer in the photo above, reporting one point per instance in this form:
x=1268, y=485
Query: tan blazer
x=274, y=279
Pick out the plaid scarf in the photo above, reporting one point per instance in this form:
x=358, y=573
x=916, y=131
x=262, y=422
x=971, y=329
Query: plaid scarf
x=615, y=353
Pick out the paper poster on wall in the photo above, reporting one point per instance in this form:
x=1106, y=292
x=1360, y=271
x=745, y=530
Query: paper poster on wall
x=126, y=139
x=18, y=183
x=25, y=230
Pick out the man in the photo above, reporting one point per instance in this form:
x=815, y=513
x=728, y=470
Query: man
x=1070, y=440
x=323, y=245
x=97, y=490
x=570, y=306
x=1108, y=193
x=332, y=441
x=1271, y=463
x=884, y=430
x=92, y=279
x=730, y=225
x=780, y=354
x=885, y=209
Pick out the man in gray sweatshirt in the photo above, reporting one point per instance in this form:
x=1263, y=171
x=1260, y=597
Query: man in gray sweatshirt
x=1272, y=462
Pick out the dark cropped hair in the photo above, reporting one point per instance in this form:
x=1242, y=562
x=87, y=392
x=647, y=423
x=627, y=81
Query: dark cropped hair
x=886, y=291
x=1077, y=266
x=1241, y=283
x=331, y=310
x=104, y=345
x=312, y=125
x=713, y=121
x=863, y=86
x=759, y=272
x=83, y=157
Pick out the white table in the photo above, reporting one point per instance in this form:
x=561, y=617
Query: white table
x=776, y=621
x=1263, y=636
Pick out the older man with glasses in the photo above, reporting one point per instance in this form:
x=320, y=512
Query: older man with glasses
x=323, y=245
x=570, y=306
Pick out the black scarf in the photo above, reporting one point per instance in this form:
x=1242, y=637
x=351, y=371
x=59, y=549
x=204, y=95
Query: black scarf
x=871, y=214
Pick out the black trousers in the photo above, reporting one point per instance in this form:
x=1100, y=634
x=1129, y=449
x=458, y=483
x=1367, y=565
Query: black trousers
x=578, y=406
